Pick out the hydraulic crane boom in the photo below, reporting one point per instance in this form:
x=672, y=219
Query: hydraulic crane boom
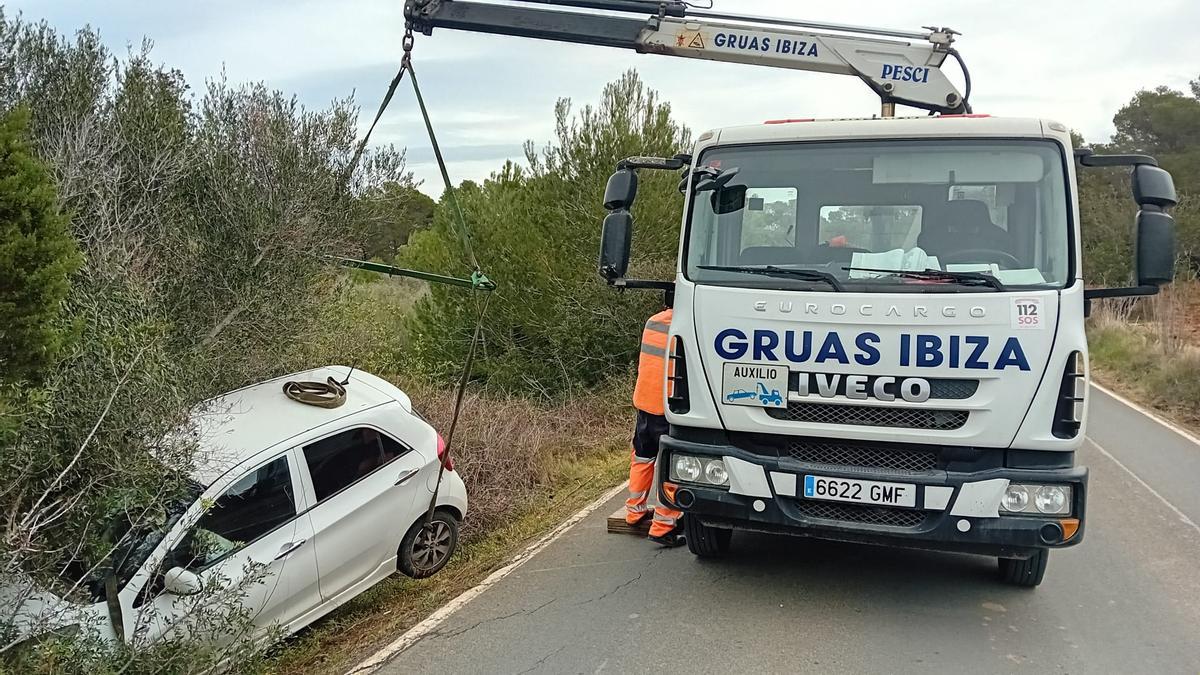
x=906, y=71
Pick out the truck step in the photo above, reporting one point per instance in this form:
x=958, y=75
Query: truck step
x=617, y=524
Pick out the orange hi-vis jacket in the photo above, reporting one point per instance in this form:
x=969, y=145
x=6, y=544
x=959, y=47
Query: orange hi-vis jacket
x=652, y=365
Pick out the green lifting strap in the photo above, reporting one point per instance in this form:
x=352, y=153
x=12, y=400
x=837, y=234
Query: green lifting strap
x=478, y=280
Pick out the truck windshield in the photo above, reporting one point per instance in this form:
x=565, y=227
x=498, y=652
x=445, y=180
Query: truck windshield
x=862, y=210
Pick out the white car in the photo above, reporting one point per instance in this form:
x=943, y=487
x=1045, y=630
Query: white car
x=318, y=503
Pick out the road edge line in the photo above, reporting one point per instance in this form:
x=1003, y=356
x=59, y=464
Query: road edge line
x=1153, y=416
x=1183, y=517
x=414, y=634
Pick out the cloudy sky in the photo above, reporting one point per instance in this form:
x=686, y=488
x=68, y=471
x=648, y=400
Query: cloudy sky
x=1073, y=60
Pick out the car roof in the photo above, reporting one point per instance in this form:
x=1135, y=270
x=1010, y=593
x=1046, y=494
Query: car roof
x=236, y=426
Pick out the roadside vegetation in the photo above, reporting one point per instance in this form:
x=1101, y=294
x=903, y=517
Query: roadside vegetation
x=1148, y=349
x=164, y=242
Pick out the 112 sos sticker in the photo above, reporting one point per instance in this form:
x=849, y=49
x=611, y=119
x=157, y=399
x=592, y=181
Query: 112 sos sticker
x=1027, y=314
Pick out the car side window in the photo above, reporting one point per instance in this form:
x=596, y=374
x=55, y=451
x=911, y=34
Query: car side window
x=341, y=460
x=256, y=504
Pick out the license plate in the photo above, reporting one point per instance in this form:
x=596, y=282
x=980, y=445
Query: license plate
x=764, y=386
x=860, y=491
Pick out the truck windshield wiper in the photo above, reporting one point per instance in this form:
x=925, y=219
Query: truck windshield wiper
x=965, y=278
x=783, y=272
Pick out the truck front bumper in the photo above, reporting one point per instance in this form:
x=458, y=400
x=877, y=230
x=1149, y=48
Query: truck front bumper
x=954, y=511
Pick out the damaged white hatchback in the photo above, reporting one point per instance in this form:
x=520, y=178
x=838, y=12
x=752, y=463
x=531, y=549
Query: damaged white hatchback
x=295, y=510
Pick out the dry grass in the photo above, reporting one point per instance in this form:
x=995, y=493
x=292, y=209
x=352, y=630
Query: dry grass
x=526, y=466
x=1150, y=351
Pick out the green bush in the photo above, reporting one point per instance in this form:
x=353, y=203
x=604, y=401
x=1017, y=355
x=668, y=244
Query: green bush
x=37, y=257
x=554, y=326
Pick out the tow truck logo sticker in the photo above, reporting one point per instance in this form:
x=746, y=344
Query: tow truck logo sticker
x=762, y=386
x=973, y=352
x=751, y=42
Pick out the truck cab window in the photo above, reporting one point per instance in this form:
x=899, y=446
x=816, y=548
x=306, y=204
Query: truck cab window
x=990, y=206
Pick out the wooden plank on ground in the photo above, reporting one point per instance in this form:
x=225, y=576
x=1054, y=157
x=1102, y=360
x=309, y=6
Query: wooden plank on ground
x=617, y=524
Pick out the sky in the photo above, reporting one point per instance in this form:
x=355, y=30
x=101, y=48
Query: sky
x=1076, y=61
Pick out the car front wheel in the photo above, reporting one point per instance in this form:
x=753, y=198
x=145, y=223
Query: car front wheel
x=427, y=547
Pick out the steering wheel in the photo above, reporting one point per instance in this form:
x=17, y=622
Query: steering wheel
x=970, y=255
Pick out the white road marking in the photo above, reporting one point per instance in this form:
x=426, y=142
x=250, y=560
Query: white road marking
x=380, y=658
x=1147, y=413
x=1183, y=518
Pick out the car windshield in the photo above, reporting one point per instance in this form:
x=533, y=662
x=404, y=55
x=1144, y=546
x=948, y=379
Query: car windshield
x=867, y=211
x=135, y=536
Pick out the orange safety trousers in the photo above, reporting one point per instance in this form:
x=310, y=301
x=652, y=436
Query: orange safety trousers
x=641, y=476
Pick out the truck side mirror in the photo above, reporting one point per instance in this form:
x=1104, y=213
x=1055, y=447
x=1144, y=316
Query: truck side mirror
x=1155, y=248
x=1153, y=187
x=1154, y=191
x=729, y=199
x=621, y=190
x=615, y=238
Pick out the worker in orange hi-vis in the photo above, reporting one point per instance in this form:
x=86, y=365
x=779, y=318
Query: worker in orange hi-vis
x=648, y=398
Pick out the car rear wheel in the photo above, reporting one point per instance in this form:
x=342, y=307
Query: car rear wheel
x=1026, y=572
x=705, y=541
x=426, y=548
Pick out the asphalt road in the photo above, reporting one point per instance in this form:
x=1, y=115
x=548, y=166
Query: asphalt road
x=1126, y=600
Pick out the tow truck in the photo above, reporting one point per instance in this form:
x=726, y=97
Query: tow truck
x=912, y=286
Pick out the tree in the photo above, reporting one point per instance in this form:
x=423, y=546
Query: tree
x=387, y=216
x=37, y=257
x=1161, y=122
x=554, y=326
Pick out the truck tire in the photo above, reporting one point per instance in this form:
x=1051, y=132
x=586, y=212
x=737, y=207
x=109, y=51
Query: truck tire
x=1026, y=572
x=704, y=541
x=424, y=552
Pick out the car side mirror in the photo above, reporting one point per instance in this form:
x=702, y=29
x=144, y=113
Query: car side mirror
x=178, y=581
x=615, y=239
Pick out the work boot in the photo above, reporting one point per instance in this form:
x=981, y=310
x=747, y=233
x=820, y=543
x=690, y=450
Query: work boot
x=671, y=539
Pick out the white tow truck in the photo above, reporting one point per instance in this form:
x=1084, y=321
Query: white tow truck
x=878, y=329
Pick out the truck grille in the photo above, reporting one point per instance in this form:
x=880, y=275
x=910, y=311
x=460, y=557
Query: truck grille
x=855, y=513
x=947, y=388
x=842, y=455
x=871, y=416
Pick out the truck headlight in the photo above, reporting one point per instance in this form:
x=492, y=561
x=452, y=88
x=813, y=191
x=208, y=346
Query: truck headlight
x=1016, y=498
x=1052, y=499
x=702, y=470
x=1047, y=500
x=686, y=468
x=715, y=472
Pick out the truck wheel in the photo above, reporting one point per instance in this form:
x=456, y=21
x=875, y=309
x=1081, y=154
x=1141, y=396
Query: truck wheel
x=705, y=541
x=1027, y=573
x=426, y=550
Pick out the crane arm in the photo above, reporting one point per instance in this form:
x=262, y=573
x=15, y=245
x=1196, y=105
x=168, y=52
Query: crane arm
x=900, y=66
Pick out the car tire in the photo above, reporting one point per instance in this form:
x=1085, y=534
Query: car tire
x=704, y=541
x=1027, y=572
x=424, y=551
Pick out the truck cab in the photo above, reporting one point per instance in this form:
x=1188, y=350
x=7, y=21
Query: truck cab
x=913, y=289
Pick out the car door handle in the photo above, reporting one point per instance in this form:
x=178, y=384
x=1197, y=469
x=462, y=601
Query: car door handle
x=407, y=475
x=289, y=548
